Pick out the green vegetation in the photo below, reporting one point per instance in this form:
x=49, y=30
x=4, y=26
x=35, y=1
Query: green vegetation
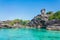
x=55, y=15
x=21, y=22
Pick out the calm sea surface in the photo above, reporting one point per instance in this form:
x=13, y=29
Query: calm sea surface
x=28, y=34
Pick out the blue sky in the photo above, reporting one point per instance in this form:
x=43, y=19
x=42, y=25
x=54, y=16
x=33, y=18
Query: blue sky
x=25, y=9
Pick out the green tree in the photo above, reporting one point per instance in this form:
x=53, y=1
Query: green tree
x=21, y=22
x=56, y=15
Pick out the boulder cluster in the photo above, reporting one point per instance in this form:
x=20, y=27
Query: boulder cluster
x=37, y=22
x=41, y=21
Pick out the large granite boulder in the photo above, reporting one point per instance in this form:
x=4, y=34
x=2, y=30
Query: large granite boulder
x=53, y=25
x=37, y=22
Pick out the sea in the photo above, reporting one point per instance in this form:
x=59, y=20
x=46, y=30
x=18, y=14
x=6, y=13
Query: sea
x=28, y=34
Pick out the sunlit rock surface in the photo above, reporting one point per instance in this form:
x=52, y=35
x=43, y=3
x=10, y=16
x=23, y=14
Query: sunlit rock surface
x=39, y=20
x=53, y=25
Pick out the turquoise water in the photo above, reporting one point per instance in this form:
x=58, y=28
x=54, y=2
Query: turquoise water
x=29, y=34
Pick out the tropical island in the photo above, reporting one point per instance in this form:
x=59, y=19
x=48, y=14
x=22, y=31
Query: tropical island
x=16, y=23
x=47, y=20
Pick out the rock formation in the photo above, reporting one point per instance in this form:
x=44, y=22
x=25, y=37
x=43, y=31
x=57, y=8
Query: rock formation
x=39, y=21
x=53, y=24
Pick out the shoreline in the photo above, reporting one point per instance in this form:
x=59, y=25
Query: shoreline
x=25, y=27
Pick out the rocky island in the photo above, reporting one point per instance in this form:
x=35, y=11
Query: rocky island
x=16, y=23
x=42, y=21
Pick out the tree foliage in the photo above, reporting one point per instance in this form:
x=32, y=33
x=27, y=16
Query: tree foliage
x=21, y=22
x=56, y=15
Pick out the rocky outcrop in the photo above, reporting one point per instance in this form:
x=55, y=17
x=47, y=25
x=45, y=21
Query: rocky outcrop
x=39, y=21
x=35, y=22
x=53, y=25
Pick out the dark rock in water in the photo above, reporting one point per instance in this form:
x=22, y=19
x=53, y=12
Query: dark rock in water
x=35, y=22
x=53, y=24
x=39, y=20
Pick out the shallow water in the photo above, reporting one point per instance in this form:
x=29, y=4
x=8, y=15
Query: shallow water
x=29, y=34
